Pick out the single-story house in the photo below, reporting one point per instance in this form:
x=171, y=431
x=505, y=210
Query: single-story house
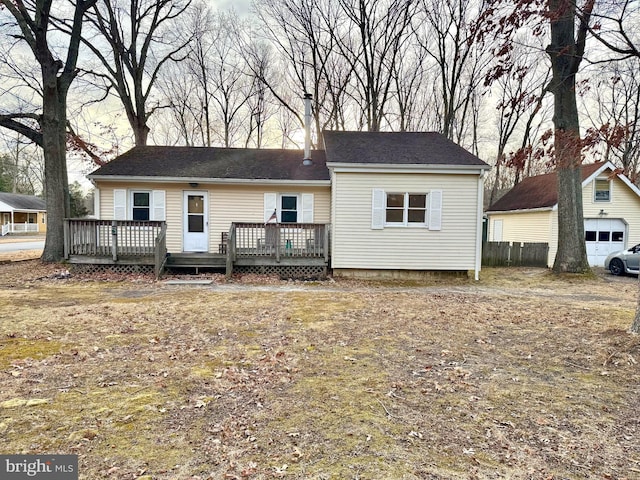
x=611, y=209
x=22, y=213
x=392, y=201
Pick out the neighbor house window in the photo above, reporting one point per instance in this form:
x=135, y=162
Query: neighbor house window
x=602, y=191
x=406, y=209
x=289, y=209
x=140, y=206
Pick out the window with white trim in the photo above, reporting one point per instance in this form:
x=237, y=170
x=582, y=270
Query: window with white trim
x=403, y=209
x=602, y=190
x=406, y=209
x=140, y=205
x=289, y=209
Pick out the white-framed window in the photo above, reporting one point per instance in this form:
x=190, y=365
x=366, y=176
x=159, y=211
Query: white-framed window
x=406, y=209
x=289, y=207
x=139, y=205
x=403, y=209
x=601, y=190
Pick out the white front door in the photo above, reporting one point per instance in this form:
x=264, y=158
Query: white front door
x=195, y=221
x=603, y=236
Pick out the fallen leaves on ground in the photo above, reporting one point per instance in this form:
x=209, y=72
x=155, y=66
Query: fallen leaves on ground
x=522, y=375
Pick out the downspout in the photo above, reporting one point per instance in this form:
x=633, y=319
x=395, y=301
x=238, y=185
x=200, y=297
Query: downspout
x=479, y=226
x=307, y=129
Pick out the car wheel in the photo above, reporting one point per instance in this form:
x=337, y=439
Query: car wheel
x=616, y=267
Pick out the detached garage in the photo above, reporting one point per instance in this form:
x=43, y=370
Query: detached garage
x=611, y=208
x=603, y=236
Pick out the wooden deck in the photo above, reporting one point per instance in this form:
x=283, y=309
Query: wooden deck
x=262, y=247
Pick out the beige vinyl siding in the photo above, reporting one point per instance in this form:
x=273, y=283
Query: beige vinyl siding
x=42, y=222
x=624, y=204
x=526, y=227
x=246, y=204
x=227, y=204
x=356, y=245
x=522, y=227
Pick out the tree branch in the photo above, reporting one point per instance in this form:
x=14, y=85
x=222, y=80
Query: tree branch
x=10, y=122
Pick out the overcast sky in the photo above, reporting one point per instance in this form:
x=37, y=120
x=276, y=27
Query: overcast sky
x=241, y=6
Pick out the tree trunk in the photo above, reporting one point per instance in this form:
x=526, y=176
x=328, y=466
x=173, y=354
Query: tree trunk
x=635, y=326
x=140, y=132
x=565, y=58
x=54, y=121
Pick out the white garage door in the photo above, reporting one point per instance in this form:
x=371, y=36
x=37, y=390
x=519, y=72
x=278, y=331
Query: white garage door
x=603, y=236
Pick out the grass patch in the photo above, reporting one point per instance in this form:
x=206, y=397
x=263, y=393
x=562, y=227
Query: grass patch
x=13, y=349
x=520, y=375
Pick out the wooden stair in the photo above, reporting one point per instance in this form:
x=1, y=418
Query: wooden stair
x=196, y=260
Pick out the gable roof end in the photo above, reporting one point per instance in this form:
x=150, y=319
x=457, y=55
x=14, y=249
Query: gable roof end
x=541, y=191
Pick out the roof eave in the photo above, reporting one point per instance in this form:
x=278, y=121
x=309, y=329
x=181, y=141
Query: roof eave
x=208, y=181
x=521, y=210
x=347, y=167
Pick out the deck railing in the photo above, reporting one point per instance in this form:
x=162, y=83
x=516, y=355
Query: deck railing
x=111, y=238
x=279, y=240
x=19, y=228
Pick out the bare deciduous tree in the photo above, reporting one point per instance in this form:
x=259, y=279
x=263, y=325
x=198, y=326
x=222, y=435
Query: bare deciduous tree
x=371, y=43
x=520, y=93
x=33, y=24
x=139, y=41
x=615, y=121
x=450, y=33
x=614, y=23
x=566, y=51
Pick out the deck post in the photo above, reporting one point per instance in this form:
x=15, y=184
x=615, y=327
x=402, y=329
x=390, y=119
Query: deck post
x=114, y=240
x=326, y=243
x=67, y=239
x=231, y=249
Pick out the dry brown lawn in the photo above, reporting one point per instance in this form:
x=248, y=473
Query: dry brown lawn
x=521, y=375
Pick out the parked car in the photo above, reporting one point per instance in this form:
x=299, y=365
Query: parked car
x=626, y=261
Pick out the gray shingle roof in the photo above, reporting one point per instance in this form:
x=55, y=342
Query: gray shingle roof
x=210, y=163
x=22, y=202
x=396, y=148
x=389, y=148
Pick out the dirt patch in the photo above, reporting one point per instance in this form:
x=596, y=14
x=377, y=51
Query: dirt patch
x=521, y=375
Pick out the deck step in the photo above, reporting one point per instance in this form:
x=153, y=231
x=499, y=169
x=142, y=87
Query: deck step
x=199, y=260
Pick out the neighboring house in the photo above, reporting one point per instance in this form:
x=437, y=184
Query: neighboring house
x=22, y=213
x=394, y=201
x=611, y=209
